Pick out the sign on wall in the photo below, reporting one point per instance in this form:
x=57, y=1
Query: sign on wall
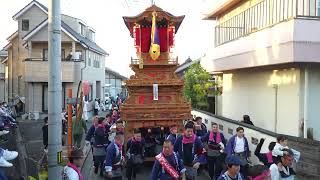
x=155, y=92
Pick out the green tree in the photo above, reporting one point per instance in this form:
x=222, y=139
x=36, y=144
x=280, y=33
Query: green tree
x=197, y=86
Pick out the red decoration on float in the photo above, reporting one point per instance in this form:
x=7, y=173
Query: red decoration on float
x=163, y=34
x=171, y=31
x=136, y=35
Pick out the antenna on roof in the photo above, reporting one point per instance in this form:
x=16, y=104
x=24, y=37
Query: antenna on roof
x=153, y=2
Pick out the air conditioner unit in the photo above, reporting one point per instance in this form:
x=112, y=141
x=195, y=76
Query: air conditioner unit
x=34, y=116
x=76, y=56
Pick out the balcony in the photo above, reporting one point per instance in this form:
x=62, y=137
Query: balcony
x=37, y=70
x=265, y=14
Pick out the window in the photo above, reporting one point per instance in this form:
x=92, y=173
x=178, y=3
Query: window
x=96, y=64
x=93, y=36
x=90, y=95
x=45, y=54
x=82, y=29
x=118, y=82
x=25, y=25
x=89, y=59
x=113, y=82
x=63, y=54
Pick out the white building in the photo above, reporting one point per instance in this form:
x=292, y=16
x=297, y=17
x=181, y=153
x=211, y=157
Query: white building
x=82, y=59
x=267, y=55
x=114, y=84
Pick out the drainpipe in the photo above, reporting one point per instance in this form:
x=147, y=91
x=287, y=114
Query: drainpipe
x=276, y=87
x=306, y=102
x=85, y=65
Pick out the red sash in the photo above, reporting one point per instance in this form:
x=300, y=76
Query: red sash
x=164, y=163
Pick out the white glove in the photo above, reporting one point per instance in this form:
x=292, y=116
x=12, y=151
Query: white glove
x=222, y=145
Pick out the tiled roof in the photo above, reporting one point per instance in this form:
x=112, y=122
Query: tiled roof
x=91, y=45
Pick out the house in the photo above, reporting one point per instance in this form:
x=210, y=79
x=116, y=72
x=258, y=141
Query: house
x=82, y=59
x=182, y=68
x=3, y=58
x=114, y=83
x=267, y=55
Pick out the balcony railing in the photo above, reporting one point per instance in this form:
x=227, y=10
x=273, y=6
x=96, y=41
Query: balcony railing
x=264, y=14
x=171, y=61
x=45, y=59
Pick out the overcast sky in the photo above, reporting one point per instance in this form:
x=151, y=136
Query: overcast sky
x=193, y=39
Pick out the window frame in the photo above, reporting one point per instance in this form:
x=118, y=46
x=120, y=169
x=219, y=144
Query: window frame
x=23, y=25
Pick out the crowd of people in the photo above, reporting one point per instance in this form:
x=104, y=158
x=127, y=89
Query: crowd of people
x=7, y=122
x=180, y=156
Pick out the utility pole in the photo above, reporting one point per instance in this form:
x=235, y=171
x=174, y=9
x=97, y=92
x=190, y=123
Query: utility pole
x=54, y=89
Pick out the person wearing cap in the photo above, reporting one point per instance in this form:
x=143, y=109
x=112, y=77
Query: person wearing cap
x=173, y=134
x=72, y=170
x=168, y=164
x=191, y=150
x=233, y=169
x=114, y=158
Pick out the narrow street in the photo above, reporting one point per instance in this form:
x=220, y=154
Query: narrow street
x=144, y=173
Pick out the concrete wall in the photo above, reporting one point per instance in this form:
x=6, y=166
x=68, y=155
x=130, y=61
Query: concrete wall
x=308, y=166
x=252, y=92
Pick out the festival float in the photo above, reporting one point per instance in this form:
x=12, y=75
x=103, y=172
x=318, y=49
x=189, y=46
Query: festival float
x=155, y=100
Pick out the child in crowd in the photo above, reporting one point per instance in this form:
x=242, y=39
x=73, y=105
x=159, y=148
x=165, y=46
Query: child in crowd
x=277, y=152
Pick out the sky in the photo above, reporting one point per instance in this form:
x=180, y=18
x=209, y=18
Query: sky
x=194, y=38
